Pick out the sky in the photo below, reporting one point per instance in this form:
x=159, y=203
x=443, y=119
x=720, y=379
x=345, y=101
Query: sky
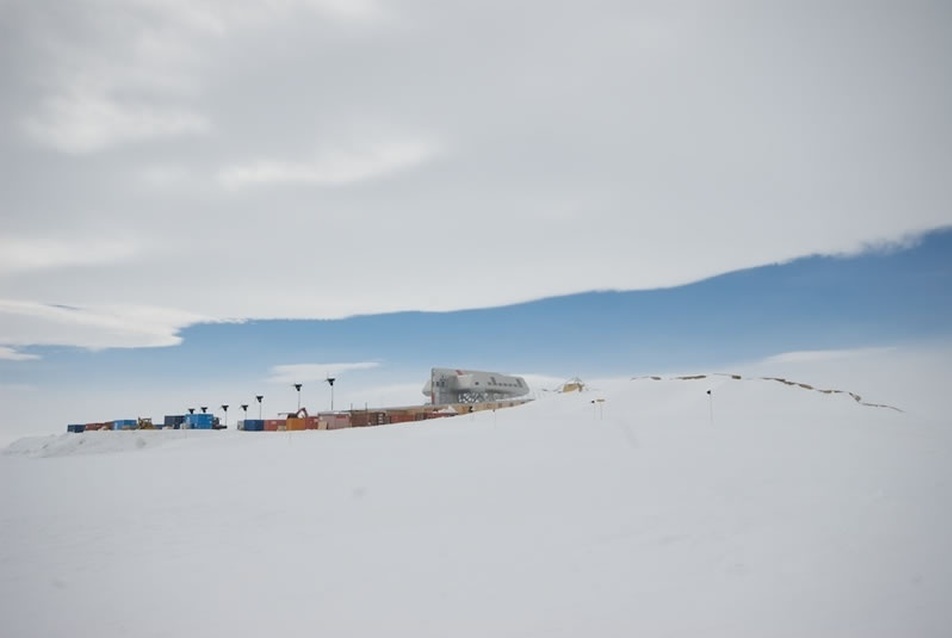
x=197, y=195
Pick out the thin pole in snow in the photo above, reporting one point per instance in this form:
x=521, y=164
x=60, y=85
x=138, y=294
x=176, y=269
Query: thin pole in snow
x=710, y=401
x=597, y=408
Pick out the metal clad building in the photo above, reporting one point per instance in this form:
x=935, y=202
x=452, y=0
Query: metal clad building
x=449, y=385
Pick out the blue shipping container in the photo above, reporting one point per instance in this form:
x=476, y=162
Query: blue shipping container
x=80, y=427
x=124, y=424
x=174, y=420
x=254, y=425
x=201, y=421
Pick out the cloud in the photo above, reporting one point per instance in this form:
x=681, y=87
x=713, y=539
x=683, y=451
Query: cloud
x=123, y=72
x=304, y=372
x=22, y=254
x=319, y=159
x=332, y=169
x=163, y=175
x=129, y=72
x=360, y=11
x=89, y=123
x=810, y=356
x=11, y=354
x=218, y=17
x=117, y=326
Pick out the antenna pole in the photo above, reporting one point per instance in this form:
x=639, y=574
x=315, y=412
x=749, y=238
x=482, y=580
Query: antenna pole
x=330, y=382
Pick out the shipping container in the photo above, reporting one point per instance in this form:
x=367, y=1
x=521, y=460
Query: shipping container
x=174, y=421
x=312, y=423
x=253, y=425
x=336, y=421
x=360, y=418
x=295, y=424
x=76, y=427
x=202, y=421
x=125, y=424
x=272, y=425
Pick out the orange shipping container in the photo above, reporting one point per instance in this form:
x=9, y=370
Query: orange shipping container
x=295, y=424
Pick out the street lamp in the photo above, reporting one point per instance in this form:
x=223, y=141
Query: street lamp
x=204, y=409
x=191, y=410
x=330, y=382
x=244, y=407
x=297, y=386
x=224, y=407
x=259, y=397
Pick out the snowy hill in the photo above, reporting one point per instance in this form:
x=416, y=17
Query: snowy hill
x=771, y=510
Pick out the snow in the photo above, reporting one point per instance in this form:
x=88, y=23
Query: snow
x=789, y=513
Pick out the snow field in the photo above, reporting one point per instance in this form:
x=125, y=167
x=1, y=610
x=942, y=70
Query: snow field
x=791, y=514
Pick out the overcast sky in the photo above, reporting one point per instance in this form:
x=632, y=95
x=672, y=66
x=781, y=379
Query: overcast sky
x=168, y=162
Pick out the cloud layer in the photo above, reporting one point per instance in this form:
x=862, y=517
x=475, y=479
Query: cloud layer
x=222, y=160
x=26, y=323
